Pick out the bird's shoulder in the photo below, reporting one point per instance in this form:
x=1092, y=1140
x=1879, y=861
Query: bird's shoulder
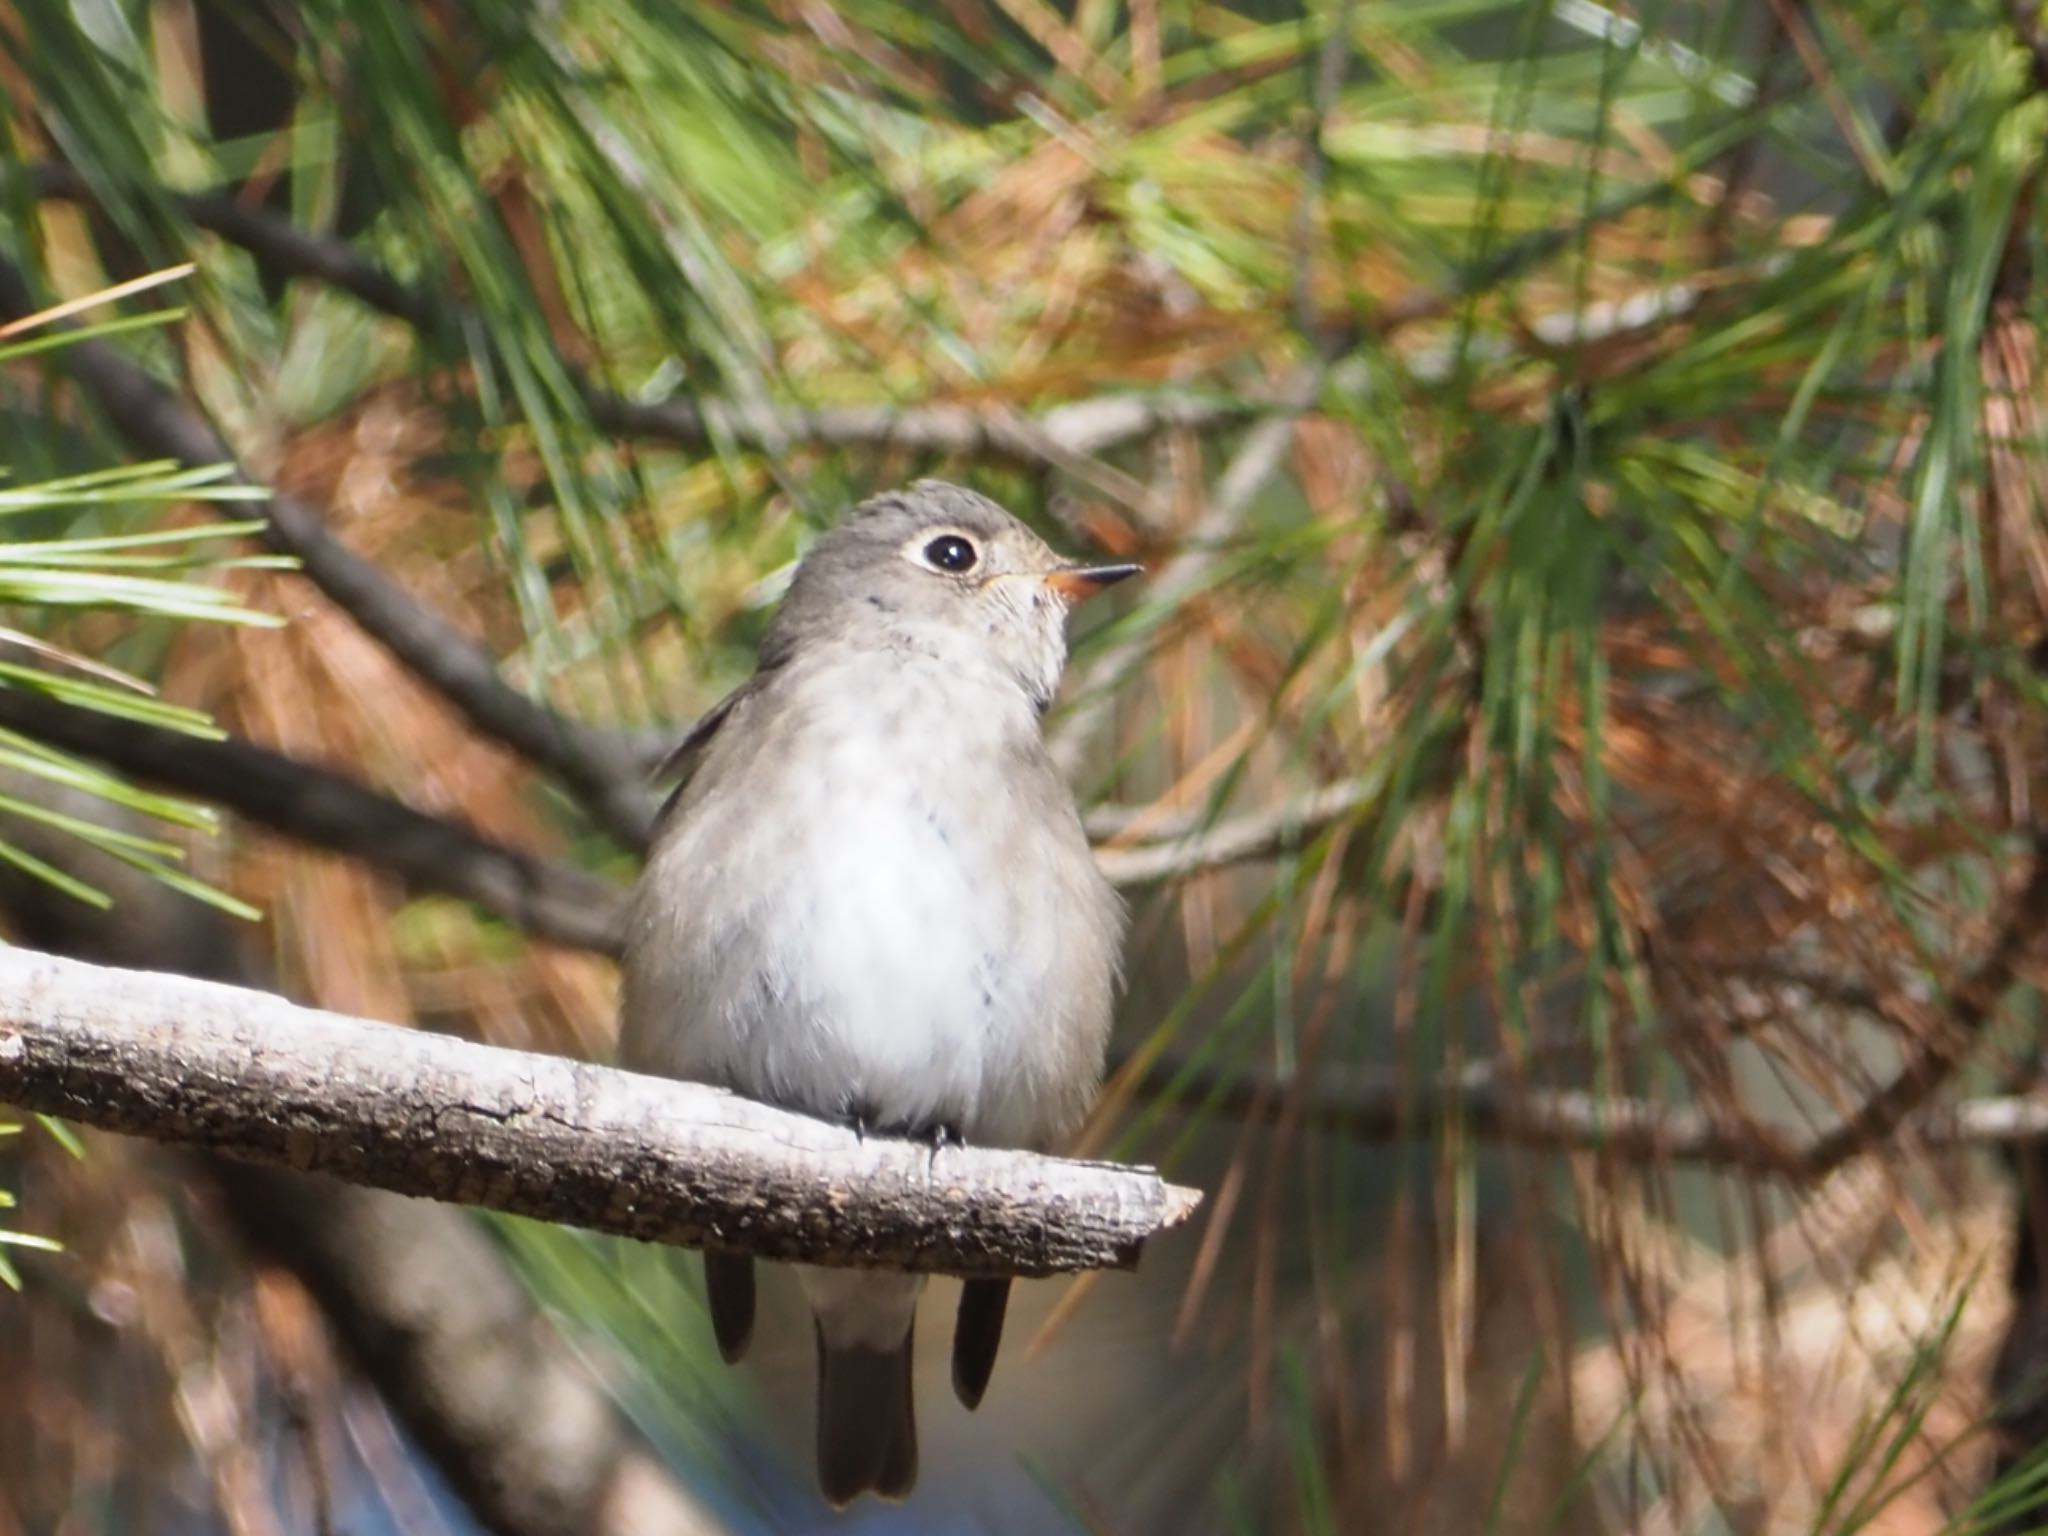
x=687, y=756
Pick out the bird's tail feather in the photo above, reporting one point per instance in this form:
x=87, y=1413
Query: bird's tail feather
x=729, y=1297
x=867, y=1427
x=977, y=1335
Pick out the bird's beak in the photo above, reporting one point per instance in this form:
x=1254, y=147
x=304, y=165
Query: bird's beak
x=1076, y=582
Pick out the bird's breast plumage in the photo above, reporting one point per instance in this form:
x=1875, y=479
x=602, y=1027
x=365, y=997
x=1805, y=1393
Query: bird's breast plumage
x=874, y=898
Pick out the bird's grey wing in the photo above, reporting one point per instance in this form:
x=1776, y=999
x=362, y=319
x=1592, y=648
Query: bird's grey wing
x=728, y=1277
x=683, y=759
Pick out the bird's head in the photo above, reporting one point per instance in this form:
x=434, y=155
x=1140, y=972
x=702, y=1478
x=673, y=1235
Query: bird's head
x=950, y=570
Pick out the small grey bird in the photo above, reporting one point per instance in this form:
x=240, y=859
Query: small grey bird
x=872, y=900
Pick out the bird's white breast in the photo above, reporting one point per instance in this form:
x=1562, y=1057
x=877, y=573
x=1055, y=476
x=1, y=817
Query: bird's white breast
x=866, y=905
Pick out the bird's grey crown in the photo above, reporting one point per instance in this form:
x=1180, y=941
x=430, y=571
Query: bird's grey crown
x=867, y=540
x=896, y=515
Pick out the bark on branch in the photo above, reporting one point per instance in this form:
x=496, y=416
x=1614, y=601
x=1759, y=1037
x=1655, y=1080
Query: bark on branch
x=250, y=1076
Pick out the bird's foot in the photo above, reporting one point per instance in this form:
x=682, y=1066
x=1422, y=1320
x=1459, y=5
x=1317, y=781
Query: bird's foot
x=941, y=1137
x=857, y=1118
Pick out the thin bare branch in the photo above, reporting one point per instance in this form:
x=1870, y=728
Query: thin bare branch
x=1066, y=437
x=1186, y=846
x=251, y=1076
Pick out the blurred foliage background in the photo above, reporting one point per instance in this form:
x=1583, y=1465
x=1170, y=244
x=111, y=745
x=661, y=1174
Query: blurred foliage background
x=1573, y=762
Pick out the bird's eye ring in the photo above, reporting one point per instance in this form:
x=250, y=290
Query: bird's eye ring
x=951, y=553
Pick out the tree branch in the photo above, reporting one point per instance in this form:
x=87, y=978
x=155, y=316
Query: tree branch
x=253, y=1077
x=1185, y=845
x=560, y=902
x=597, y=766
x=326, y=809
x=1063, y=437
x=554, y=901
x=1487, y=1108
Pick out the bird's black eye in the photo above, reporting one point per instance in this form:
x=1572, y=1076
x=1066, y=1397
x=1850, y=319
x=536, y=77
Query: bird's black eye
x=951, y=553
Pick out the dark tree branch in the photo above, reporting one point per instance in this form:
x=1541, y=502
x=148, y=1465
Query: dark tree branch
x=250, y=1076
x=597, y=767
x=558, y=902
x=554, y=901
x=329, y=810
